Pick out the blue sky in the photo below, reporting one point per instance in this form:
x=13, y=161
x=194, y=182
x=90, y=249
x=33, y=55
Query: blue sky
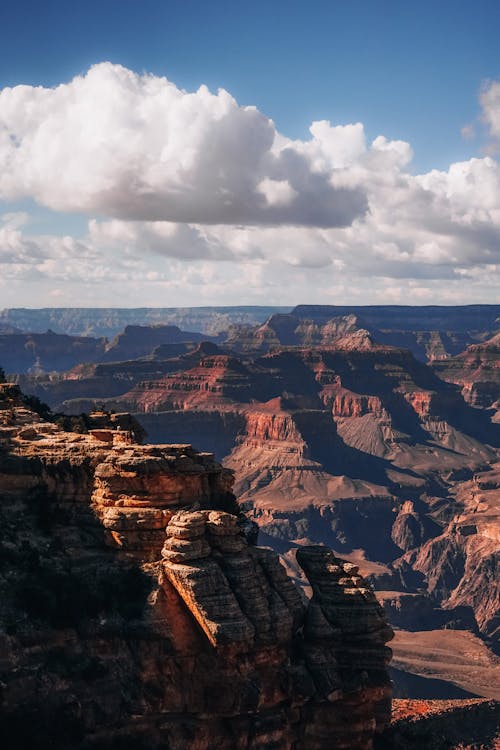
x=408, y=70
x=411, y=72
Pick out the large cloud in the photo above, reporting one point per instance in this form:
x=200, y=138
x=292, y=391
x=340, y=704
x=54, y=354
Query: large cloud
x=116, y=143
x=241, y=213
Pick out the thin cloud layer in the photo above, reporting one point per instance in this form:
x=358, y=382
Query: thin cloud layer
x=490, y=102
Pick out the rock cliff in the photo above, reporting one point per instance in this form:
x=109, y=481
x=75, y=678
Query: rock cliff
x=477, y=370
x=364, y=450
x=135, y=613
x=46, y=352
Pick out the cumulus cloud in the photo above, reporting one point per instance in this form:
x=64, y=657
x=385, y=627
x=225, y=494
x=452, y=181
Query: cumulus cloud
x=167, y=239
x=131, y=263
x=135, y=146
x=203, y=201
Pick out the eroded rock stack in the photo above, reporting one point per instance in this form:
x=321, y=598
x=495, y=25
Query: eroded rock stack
x=328, y=679
x=233, y=590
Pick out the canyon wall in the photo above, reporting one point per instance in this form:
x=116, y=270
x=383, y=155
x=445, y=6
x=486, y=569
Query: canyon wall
x=135, y=612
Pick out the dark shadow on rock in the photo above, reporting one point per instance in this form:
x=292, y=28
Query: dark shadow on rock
x=409, y=685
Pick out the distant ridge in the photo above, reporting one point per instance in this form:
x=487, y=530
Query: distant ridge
x=411, y=317
x=108, y=321
x=212, y=320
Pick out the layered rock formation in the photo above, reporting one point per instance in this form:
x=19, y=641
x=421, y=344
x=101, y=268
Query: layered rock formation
x=430, y=332
x=45, y=352
x=138, y=341
x=288, y=330
x=477, y=370
x=336, y=437
x=83, y=386
x=461, y=563
x=135, y=613
x=365, y=450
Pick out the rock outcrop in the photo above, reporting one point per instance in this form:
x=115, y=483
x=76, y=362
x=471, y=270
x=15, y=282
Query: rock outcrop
x=288, y=330
x=430, y=332
x=362, y=449
x=338, y=438
x=461, y=564
x=139, y=341
x=45, y=352
x=477, y=370
x=135, y=613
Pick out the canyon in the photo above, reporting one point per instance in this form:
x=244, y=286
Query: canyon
x=137, y=612
x=373, y=432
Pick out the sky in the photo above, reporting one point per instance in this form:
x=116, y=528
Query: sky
x=190, y=153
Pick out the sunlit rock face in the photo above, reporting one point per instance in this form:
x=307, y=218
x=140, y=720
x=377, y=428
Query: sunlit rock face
x=135, y=613
x=477, y=371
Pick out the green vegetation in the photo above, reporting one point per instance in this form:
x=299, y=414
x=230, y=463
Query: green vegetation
x=72, y=423
x=80, y=423
x=38, y=406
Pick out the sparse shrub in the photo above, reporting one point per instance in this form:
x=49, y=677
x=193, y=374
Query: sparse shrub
x=38, y=406
x=72, y=423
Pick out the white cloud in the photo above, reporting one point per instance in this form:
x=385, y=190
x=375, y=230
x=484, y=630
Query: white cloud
x=490, y=102
x=136, y=147
x=241, y=213
x=277, y=192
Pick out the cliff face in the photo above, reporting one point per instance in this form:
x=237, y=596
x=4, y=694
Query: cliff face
x=213, y=382
x=461, y=564
x=289, y=330
x=87, y=384
x=102, y=321
x=138, y=341
x=430, y=333
x=39, y=352
x=135, y=613
x=477, y=370
x=364, y=450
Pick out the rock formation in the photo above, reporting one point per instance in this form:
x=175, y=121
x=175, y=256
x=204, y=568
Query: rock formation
x=365, y=450
x=337, y=437
x=45, y=352
x=288, y=330
x=135, y=613
x=430, y=332
x=139, y=341
x=477, y=370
